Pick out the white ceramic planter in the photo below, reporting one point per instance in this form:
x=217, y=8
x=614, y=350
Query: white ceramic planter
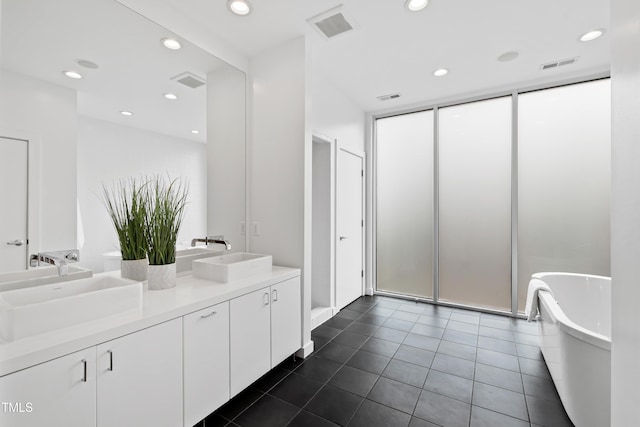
x=134, y=269
x=162, y=277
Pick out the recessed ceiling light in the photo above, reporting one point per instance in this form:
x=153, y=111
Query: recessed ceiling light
x=239, y=7
x=195, y=132
x=508, y=56
x=440, y=72
x=592, y=35
x=172, y=44
x=87, y=64
x=171, y=96
x=126, y=113
x=416, y=5
x=72, y=74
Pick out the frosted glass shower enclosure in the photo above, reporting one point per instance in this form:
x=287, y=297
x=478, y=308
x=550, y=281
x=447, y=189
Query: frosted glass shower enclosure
x=472, y=198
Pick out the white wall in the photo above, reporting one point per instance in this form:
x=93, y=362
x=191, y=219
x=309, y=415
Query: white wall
x=277, y=153
x=280, y=162
x=335, y=115
x=46, y=114
x=108, y=152
x=625, y=212
x=226, y=171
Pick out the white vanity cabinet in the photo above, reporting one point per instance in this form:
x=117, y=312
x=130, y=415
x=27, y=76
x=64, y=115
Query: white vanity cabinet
x=60, y=392
x=166, y=368
x=139, y=378
x=265, y=328
x=206, y=361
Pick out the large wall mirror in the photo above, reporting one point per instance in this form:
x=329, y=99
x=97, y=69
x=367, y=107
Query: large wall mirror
x=187, y=120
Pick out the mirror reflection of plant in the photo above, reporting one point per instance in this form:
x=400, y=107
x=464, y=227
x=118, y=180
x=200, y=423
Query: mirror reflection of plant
x=165, y=201
x=126, y=205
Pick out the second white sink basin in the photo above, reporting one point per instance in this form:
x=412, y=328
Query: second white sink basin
x=184, y=257
x=232, y=267
x=30, y=311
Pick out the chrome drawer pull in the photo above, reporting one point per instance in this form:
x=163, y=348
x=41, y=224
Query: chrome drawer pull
x=206, y=316
x=84, y=370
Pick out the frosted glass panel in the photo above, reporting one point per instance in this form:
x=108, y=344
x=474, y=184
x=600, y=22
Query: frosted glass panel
x=405, y=204
x=475, y=204
x=564, y=181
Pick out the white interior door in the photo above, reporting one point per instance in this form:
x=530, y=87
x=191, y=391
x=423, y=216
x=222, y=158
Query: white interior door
x=13, y=215
x=349, y=227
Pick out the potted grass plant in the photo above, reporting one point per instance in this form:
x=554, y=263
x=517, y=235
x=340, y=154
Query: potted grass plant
x=125, y=203
x=165, y=201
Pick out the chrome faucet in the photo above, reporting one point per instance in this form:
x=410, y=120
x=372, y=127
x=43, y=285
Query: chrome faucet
x=60, y=259
x=212, y=239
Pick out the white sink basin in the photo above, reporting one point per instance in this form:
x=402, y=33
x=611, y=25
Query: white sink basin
x=40, y=276
x=232, y=267
x=184, y=257
x=30, y=311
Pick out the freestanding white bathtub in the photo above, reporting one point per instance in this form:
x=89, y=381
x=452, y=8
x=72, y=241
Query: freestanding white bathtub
x=575, y=338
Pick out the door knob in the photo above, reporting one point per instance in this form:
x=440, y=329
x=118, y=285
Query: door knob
x=343, y=237
x=16, y=243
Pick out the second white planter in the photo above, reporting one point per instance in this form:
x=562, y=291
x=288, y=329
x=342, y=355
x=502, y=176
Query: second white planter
x=162, y=277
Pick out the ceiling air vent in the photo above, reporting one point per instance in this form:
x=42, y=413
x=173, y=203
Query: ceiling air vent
x=557, y=64
x=189, y=79
x=388, y=97
x=332, y=23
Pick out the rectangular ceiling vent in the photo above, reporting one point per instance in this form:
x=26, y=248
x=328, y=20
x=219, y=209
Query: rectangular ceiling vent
x=189, y=79
x=557, y=64
x=332, y=23
x=389, y=97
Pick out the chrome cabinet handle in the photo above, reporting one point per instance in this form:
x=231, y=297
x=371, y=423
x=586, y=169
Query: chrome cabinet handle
x=266, y=298
x=274, y=294
x=84, y=370
x=110, y=360
x=16, y=242
x=343, y=238
x=206, y=316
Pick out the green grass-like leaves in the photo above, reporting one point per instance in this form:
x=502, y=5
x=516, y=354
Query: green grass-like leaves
x=165, y=201
x=126, y=205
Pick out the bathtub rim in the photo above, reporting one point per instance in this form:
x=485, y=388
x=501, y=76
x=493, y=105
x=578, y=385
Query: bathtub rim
x=566, y=324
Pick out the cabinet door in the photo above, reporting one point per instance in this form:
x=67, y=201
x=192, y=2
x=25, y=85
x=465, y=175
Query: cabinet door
x=206, y=362
x=140, y=378
x=286, y=320
x=250, y=338
x=61, y=392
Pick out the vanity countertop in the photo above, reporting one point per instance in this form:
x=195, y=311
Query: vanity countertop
x=189, y=295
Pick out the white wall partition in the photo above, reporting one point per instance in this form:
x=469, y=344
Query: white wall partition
x=564, y=151
x=404, y=221
x=475, y=204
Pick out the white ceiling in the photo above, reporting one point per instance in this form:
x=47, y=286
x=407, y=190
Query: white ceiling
x=42, y=38
x=395, y=50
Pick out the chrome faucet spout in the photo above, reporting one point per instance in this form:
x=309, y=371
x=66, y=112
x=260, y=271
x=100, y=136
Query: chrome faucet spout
x=219, y=240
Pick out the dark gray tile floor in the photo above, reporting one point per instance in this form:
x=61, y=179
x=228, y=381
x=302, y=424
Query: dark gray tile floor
x=389, y=362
